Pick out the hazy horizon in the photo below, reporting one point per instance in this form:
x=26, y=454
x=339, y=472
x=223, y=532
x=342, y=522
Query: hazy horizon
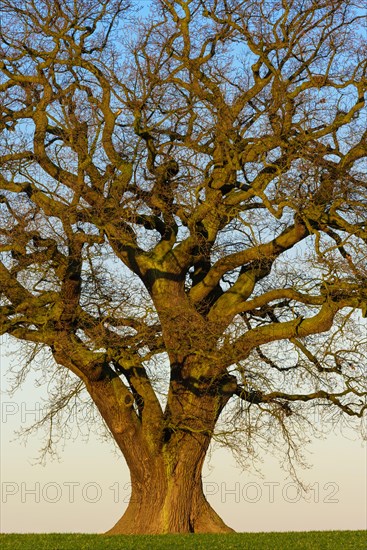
x=87, y=491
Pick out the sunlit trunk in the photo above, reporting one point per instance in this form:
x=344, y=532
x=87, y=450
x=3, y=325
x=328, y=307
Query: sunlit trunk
x=166, y=453
x=170, y=498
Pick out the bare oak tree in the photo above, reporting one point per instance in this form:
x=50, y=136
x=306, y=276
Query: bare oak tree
x=184, y=223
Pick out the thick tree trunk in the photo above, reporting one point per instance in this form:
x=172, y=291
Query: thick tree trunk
x=165, y=450
x=170, y=499
x=165, y=456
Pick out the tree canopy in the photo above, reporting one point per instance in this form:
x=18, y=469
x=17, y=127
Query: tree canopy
x=183, y=222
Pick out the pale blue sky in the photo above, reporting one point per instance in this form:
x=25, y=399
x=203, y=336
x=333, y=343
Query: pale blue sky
x=99, y=480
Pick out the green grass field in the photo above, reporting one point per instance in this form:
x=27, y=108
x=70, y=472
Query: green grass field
x=320, y=540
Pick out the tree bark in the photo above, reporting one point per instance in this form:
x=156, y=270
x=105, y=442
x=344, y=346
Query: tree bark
x=170, y=498
x=165, y=454
x=167, y=493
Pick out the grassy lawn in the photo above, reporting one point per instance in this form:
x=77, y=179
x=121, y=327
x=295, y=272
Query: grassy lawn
x=320, y=540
